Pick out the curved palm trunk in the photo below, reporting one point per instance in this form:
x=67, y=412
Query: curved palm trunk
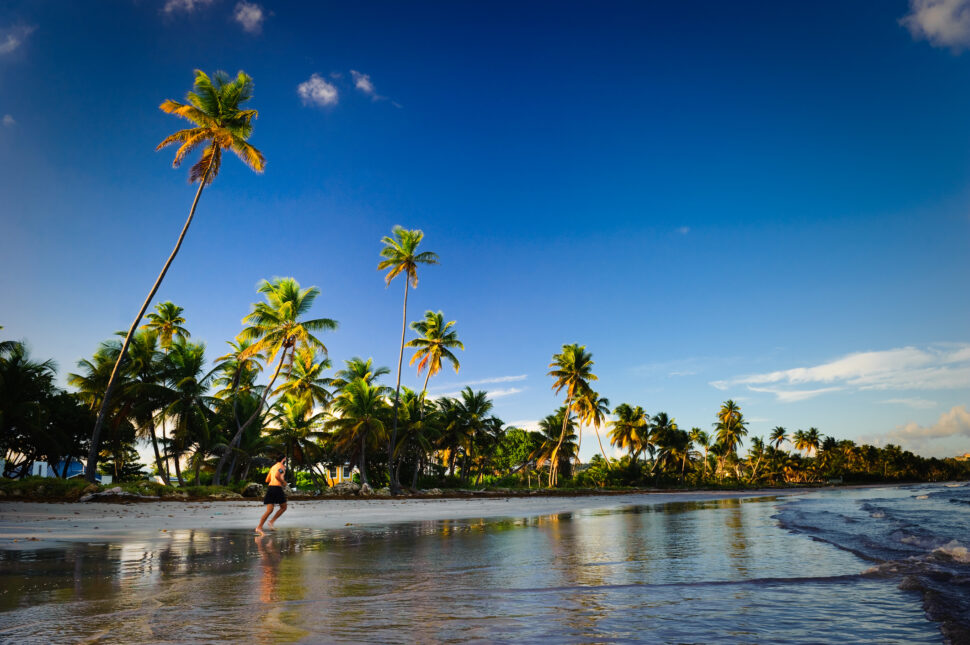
x=600, y=442
x=395, y=486
x=554, y=464
x=239, y=432
x=91, y=467
x=158, y=455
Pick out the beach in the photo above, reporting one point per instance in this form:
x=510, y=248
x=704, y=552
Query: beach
x=38, y=524
x=859, y=565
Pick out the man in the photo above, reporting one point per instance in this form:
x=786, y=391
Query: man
x=274, y=494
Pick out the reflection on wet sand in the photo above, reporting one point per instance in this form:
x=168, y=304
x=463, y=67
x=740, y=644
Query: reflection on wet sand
x=674, y=572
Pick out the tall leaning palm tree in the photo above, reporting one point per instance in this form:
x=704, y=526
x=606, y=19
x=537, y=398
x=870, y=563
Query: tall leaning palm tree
x=593, y=410
x=436, y=342
x=572, y=371
x=401, y=257
x=219, y=124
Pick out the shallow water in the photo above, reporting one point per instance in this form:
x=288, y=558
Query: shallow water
x=731, y=570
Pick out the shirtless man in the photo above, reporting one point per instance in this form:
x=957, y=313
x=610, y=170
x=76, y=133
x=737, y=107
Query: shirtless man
x=274, y=495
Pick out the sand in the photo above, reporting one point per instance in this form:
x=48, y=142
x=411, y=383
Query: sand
x=39, y=525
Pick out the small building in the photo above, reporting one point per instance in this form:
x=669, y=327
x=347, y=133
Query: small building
x=338, y=474
x=963, y=457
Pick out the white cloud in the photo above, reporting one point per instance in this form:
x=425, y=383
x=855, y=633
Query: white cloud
x=13, y=37
x=790, y=396
x=683, y=230
x=492, y=394
x=913, y=402
x=953, y=425
x=939, y=367
x=944, y=23
x=250, y=15
x=8, y=120
x=494, y=379
x=363, y=83
x=188, y=6
x=317, y=91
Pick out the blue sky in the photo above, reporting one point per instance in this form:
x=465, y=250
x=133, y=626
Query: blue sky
x=764, y=201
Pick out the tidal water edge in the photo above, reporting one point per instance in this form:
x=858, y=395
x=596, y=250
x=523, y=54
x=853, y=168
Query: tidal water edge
x=861, y=565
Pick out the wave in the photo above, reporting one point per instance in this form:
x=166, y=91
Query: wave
x=915, y=539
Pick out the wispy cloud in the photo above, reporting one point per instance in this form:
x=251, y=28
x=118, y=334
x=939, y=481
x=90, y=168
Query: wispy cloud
x=938, y=367
x=912, y=402
x=317, y=91
x=250, y=15
x=363, y=83
x=9, y=121
x=492, y=394
x=683, y=230
x=185, y=6
x=484, y=381
x=12, y=38
x=944, y=23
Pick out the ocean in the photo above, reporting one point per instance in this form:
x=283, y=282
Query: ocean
x=860, y=565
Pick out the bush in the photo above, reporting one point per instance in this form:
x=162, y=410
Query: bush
x=44, y=487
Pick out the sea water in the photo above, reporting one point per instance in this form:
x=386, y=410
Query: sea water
x=887, y=565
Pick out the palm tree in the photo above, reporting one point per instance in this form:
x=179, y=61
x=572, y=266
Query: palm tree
x=730, y=427
x=358, y=368
x=275, y=328
x=777, y=437
x=296, y=427
x=167, y=322
x=187, y=400
x=807, y=441
x=146, y=371
x=219, y=124
x=401, y=256
x=703, y=440
x=631, y=430
x=436, y=342
x=473, y=409
x=306, y=380
x=555, y=444
x=592, y=410
x=572, y=370
x=356, y=420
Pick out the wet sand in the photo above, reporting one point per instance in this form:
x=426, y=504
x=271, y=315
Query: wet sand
x=37, y=525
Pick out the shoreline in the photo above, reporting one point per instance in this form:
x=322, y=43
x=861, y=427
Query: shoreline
x=37, y=525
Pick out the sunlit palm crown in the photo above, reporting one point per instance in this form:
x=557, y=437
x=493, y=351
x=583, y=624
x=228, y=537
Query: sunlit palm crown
x=572, y=369
x=220, y=124
x=306, y=379
x=167, y=321
x=592, y=408
x=358, y=368
x=275, y=325
x=401, y=255
x=436, y=342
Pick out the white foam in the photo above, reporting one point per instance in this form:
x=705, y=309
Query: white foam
x=954, y=550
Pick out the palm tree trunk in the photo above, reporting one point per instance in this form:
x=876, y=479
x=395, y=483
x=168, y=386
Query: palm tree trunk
x=239, y=432
x=158, y=456
x=363, y=468
x=395, y=487
x=178, y=469
x=168, y=476
x=600, y=442
x=554, y=463
x=91, y=468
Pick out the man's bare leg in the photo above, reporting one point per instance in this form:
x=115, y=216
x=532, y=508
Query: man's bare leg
x=259, y=527
x=272, y=522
